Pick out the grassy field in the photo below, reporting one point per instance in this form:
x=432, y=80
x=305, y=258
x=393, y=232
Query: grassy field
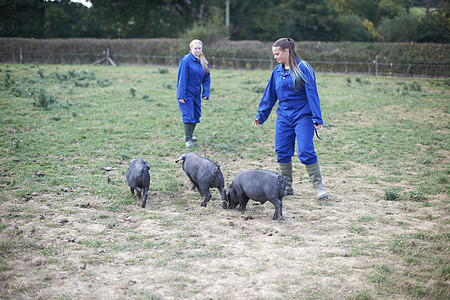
x=70, y=228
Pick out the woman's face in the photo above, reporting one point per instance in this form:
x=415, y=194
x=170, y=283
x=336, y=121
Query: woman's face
x=282, y=56
x=196, y=50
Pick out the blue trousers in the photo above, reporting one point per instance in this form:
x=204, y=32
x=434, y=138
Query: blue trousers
x=191, y=110
x=287, y=129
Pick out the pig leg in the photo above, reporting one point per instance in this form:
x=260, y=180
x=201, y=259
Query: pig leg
x=132, y=190
x=243, y=199
x=204, y=191
x=207, y=198
x=138, y=192
x=278, y=215
x=144, y=197
x=200, y=192
x=194, y=184
x=222, y=195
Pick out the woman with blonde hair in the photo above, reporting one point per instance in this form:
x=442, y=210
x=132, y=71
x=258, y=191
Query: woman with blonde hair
x=193, y=85
x=293, y=84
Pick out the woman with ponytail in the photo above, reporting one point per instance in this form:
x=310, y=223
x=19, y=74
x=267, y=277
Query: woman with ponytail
x=193, y=75
x=293, y=84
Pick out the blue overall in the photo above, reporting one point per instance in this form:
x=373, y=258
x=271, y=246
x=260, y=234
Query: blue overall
x=191, y=78
x=297, y=111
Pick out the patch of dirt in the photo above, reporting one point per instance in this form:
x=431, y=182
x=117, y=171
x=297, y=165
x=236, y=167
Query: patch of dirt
x=322, y=250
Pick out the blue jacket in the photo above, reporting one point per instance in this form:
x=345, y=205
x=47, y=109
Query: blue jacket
x=292, y=103
x=191, y=78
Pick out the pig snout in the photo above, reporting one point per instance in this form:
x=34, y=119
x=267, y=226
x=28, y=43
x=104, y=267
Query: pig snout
x=181, y=158
x=228, y=203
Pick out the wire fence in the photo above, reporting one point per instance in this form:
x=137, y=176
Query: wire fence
x=374, y=67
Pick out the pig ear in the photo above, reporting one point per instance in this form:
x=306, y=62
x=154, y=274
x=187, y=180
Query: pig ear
x=146, y=164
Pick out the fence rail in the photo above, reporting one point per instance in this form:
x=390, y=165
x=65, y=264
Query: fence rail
x=374, y=67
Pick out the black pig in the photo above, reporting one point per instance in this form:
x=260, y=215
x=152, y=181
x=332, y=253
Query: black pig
x=139, y=179
x=258, y=185
x=204, y=174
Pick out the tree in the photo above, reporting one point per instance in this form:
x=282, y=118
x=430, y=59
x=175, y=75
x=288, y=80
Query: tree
x=393, y=8
x=351, y=28
x=57, y=20
x=400, y=29
x=308, y=20
x=435, y=27
x=22, y=18
x=147, y=18
x=266, y=20
x=252, y=19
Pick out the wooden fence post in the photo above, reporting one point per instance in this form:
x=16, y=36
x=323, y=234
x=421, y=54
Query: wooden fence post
x=107, y=58
x=376, y=65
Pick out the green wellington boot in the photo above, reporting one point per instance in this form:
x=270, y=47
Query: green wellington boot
x=286, y=171
x=194, y=139
x=188, y=131
x=316, y=179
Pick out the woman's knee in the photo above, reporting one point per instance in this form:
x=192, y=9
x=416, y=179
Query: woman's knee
x=307, y=157
x=283, y=158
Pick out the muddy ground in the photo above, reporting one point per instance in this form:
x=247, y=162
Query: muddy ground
x=64, y=247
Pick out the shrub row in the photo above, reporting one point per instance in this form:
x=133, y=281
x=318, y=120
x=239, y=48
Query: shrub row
x=246, y=54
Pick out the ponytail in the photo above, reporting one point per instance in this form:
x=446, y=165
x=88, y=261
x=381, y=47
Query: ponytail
x=296, y=72
x=204, y=63
x=202, y=57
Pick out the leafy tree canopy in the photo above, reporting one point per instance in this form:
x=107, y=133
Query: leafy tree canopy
x=266, y=20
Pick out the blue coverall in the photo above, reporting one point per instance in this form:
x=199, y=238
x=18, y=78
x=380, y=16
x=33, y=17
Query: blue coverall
x=191, y=78
x=297, y=111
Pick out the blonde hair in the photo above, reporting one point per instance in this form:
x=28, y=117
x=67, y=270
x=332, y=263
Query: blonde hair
x=202, y=57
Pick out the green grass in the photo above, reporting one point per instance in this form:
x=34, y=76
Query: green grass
x=69, y=132
x=103, y=127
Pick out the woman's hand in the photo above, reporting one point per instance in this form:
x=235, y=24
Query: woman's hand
x=182, y=100
x=256, y=123
x=317, y=125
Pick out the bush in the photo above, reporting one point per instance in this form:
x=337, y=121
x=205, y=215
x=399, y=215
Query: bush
x=163, y=70
x=391, y=194
x=103, y=82
x=350, y=28
x=207, y=34
x=400, y=29
x=431, y=29
x=132, y=92
x=222, y=53
x=44, y=100
x=416, y=196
